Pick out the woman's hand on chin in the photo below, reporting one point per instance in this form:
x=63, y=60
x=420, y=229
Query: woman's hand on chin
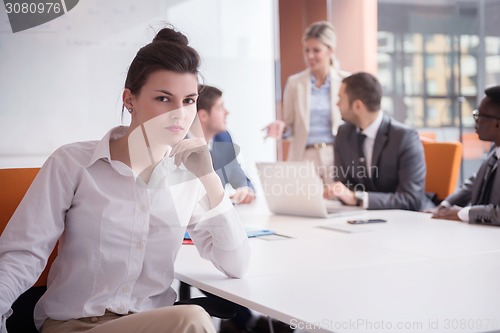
x=195, y=156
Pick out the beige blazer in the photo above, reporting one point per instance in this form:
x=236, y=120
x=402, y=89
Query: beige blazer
x=296, y=110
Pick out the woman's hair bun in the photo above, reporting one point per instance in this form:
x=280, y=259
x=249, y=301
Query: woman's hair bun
x=171, y=36
x=168, y=51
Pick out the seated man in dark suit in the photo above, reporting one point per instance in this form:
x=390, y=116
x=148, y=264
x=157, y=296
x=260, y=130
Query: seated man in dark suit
x=482, y=190
x=379, y=163
x=212, y=115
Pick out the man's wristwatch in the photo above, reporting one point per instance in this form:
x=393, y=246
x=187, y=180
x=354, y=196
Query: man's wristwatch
x=358, y=195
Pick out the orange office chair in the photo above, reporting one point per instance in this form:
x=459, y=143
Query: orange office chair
x=15, y=183
x=442, y=160
x=427, y=136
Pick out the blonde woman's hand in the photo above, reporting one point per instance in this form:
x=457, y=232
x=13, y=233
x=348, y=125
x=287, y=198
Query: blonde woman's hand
x=275, y=130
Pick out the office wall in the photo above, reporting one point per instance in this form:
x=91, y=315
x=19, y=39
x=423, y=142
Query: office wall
x=62, y=81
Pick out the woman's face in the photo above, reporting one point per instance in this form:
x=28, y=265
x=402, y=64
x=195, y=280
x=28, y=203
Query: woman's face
x=166, y=106
x=317, y=55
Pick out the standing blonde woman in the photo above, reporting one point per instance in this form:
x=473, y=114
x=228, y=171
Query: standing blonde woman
x=310, y=114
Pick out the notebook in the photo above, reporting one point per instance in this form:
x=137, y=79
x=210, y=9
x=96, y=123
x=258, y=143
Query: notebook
x=294, y=188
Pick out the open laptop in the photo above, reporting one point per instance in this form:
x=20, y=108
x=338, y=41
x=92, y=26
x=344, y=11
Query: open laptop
x=294, y=188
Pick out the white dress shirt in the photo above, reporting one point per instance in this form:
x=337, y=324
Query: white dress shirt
x=118, y=237
x=371, y=133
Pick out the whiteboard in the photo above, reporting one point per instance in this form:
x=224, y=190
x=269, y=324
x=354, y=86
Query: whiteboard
x=62, y=81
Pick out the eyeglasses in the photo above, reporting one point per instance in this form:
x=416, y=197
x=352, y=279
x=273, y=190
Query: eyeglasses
x=476, y=115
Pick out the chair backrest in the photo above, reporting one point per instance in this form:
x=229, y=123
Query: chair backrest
x=14, y=184
x=443, y=165
x=474, y=149
x=427, y=136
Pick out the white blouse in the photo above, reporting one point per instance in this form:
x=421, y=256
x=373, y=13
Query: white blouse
x=118, y=237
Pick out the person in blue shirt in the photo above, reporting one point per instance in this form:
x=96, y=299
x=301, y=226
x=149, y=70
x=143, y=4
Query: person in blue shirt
x=212, y=114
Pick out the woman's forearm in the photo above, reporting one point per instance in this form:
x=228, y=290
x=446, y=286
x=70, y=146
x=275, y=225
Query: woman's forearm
x=213, y=186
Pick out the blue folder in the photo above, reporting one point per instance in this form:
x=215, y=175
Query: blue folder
x=250, y=233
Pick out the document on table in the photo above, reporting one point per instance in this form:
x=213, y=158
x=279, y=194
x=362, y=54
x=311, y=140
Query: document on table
x=344, y=227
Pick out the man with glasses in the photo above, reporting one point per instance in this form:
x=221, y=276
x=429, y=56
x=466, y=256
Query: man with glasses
x=482, y=190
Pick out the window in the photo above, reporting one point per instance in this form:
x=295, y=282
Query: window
x=430, y=59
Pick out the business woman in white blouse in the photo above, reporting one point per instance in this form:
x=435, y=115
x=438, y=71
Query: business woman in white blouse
x=310, y=114
x=120, y=207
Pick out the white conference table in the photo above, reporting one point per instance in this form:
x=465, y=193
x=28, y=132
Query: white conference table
x=411, y=274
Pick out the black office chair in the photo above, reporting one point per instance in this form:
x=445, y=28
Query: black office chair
x=21, y=321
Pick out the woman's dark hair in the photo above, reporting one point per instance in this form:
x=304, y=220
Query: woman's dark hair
x=169, y=51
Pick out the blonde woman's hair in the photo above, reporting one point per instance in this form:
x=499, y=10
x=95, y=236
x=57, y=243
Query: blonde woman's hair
x=325, y=33
x=322, y=31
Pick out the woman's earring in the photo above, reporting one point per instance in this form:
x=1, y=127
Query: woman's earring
x=130, y=110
